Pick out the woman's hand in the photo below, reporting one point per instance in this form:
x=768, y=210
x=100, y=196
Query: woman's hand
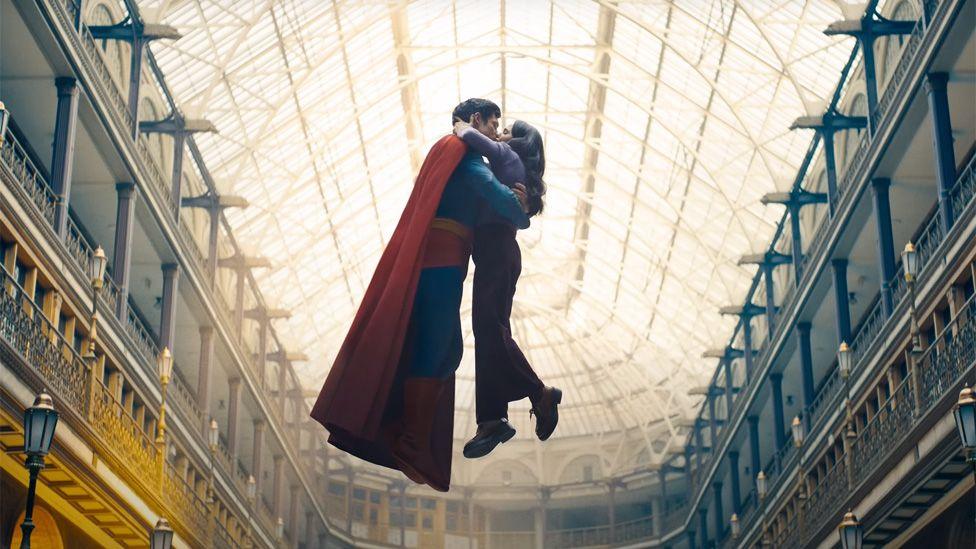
x=460, y=125
x=519, y=190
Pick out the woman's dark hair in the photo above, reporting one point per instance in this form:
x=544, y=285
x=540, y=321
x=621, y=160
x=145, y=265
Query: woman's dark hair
x=469, y=107
x=527, y=143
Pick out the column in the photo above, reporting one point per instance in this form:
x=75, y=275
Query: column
x=167, y=316
x=806, y=363
x=712, y=430
x=282, y=382
x=256, y=452
x=719, y=512
x=688, y=451
x=122, y=257
x=796, y=241
x=135, y=79
x=262, y=358
x=870, y=75
x=886, y=245
x=699, y=445
x=754, y=445
x=62, y=161
x=691, y=539
x=293, y=514
x=779, y=422
x=747, y=344
x=734, y=475
x=767, y=268
x=830, y=161
x=309, y=529
x=842, y=309
x=233, y=415
x=214, y=228
x=176, y=185
x=729, y=387
x=612, y=511
x=204, y=372
x=945, y=158
x=277, y=484
x=703, y=526
x=239, y=302
x=656, y=516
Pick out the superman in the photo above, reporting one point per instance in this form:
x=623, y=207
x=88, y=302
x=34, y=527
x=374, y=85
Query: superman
x=389, y=397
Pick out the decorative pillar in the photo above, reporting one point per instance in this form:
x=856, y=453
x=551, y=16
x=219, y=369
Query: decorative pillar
x=178, y=128
x=779, y=422
x=842, y=309
x=612, y=510
x=754, y=445
x=886, y=246
x=703, y=526
x=870, y=77
x=747, y=346
x=656, y=516
x=233, y=415
x=691, y=539
x=688, y=450
x=734, y=475
x=309, y=529
x=767, y=269
x=712, y=430
x=796, y=242
x=945, y=158
x=293, y=514
x=204, y=372
x=167, y=316
x=806, y=363
x=729, y=386
x=796, y=199
x=830, y=168
x=62, y=161
x=719, y=512
x=277, y=484
x=256, y=452
x=699, y=446
x=122, y=256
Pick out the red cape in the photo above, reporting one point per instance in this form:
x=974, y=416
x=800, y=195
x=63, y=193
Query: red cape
x=363, y=390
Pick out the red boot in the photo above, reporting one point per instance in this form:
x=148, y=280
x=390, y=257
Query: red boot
x=412, y=448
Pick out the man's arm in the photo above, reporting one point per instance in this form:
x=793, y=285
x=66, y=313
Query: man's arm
x=499, y=198
x=493, y=150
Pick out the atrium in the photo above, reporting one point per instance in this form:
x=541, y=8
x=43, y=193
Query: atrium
x=753, y=279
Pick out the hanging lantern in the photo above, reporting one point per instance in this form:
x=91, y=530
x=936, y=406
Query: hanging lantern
x=162, y=535
x=97, y=268
x=909, y=260
x=844, y=359
x=252, y=488
x=851, y=536
x=40, y=420
x=761, y=485
x=736, y=528
x=798, y=431
x=213, y=435
x=965, y=415
x=165, y=365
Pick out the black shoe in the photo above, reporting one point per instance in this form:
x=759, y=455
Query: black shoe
x=489, y=435
x=546, y=412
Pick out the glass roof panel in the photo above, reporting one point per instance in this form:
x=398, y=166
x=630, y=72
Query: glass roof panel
x=664, y=123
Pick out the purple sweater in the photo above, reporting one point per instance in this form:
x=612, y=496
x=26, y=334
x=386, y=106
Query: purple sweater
x=505, y=163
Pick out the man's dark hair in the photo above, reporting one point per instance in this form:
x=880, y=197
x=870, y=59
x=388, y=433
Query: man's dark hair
x=469, y=107
x=526, y=141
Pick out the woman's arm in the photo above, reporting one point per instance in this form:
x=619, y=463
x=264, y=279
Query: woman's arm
x=500, y=198
x=496, y=152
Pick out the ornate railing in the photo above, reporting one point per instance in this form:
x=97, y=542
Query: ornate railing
x=867, y=331
x=889, y=424
x=31, y=179
x=185, y=400
x=189, y=507
x=829, y=389
x=127, y=440
x=828, y=496
x=143, y=339
x=964, y=189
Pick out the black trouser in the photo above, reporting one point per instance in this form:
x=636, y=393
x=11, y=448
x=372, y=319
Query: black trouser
x=502, y=374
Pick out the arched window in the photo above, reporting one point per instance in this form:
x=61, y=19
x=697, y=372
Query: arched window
x=101, y=14
x=904, y=11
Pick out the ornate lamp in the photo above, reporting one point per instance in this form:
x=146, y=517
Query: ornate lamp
x=736, y=528
x=4, y=117
x=851, y=536
x=844, y=360
x=213, y=435
x=252, y=488
x=909, y=260
x=97, y=268
x=965, y=416
x=798, y=431
x=162, y=535
x=280, y=529
x=761, y=485
x=164, y=363
x=40, y=420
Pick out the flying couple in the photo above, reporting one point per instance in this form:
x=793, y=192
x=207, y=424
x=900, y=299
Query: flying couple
x=389, y=397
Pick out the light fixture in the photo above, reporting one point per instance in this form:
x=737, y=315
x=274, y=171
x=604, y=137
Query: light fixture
x=162, y=535
x=909, y=260
x=280, y=529
x=97, y=268
x=213, y=435
x=252, y=488
x=798, y=431
x=4, y=117
x=965, y=416
x=165, y=365
x=736, y=528
x=844, y=360
x=761, y=485
x=851, y=536
x=40, y=420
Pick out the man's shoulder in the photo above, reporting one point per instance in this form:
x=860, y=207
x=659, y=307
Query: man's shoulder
x=471, y=162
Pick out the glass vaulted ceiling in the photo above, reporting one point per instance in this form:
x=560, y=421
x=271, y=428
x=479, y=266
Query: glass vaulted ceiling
x=664, y=124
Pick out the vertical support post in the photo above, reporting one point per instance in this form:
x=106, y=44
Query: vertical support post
x=830, y=161
x=866, y=40
x=842, y=308
x=767, y=268
x=176, y=186
x=204, y=372
x=256, y=453
x=656, y=516
x=754, y=445
x=703, y=526
x=779, y=422
x=712, y=428
x=262, y=358
x=135, y=79
x=293, y=514
x=239, y=302
x=611, y=511
x=719, y=511
x=63, y=154
x=699, y=446
x=233, y=415
x=734, y=475
x=886, y=246
x=945, y=158
x=806, y=363
x=167, y=316
x=309, y=529
x=214, y=228
x=277, y=484
x=691, y=539
x=122, y=256
x=282, y=381
x=688, y=451
x=747, y=345
x=729, y=387
x=797, y=241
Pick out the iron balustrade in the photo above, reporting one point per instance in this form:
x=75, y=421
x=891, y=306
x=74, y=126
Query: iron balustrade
x=185, y=399
x=28, y=175
x=890, y=423
x=828, y=496
x=868, y=329
x=964, y=189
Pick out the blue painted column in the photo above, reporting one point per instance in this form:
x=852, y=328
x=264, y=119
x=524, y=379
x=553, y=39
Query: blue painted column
x=747, y=345
x=870, y=75
x=729, y=386
x=63, y=153
x=688, y=450
x=754, y=445
x=830, y=165
x=712, y=427
x=806, y=363
x=886, y=246
x=135, y=79
x=734, y=475
x=703, y=526
x=842, y=307
x=691, y=539
x=167, y=315
x=945, y=158
x=779, y=422
x=176, y=183
x=699, y=445
x=662, y=477
x=719, y=512
x=767, y=268
x=122, y=254
x=796, y=243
